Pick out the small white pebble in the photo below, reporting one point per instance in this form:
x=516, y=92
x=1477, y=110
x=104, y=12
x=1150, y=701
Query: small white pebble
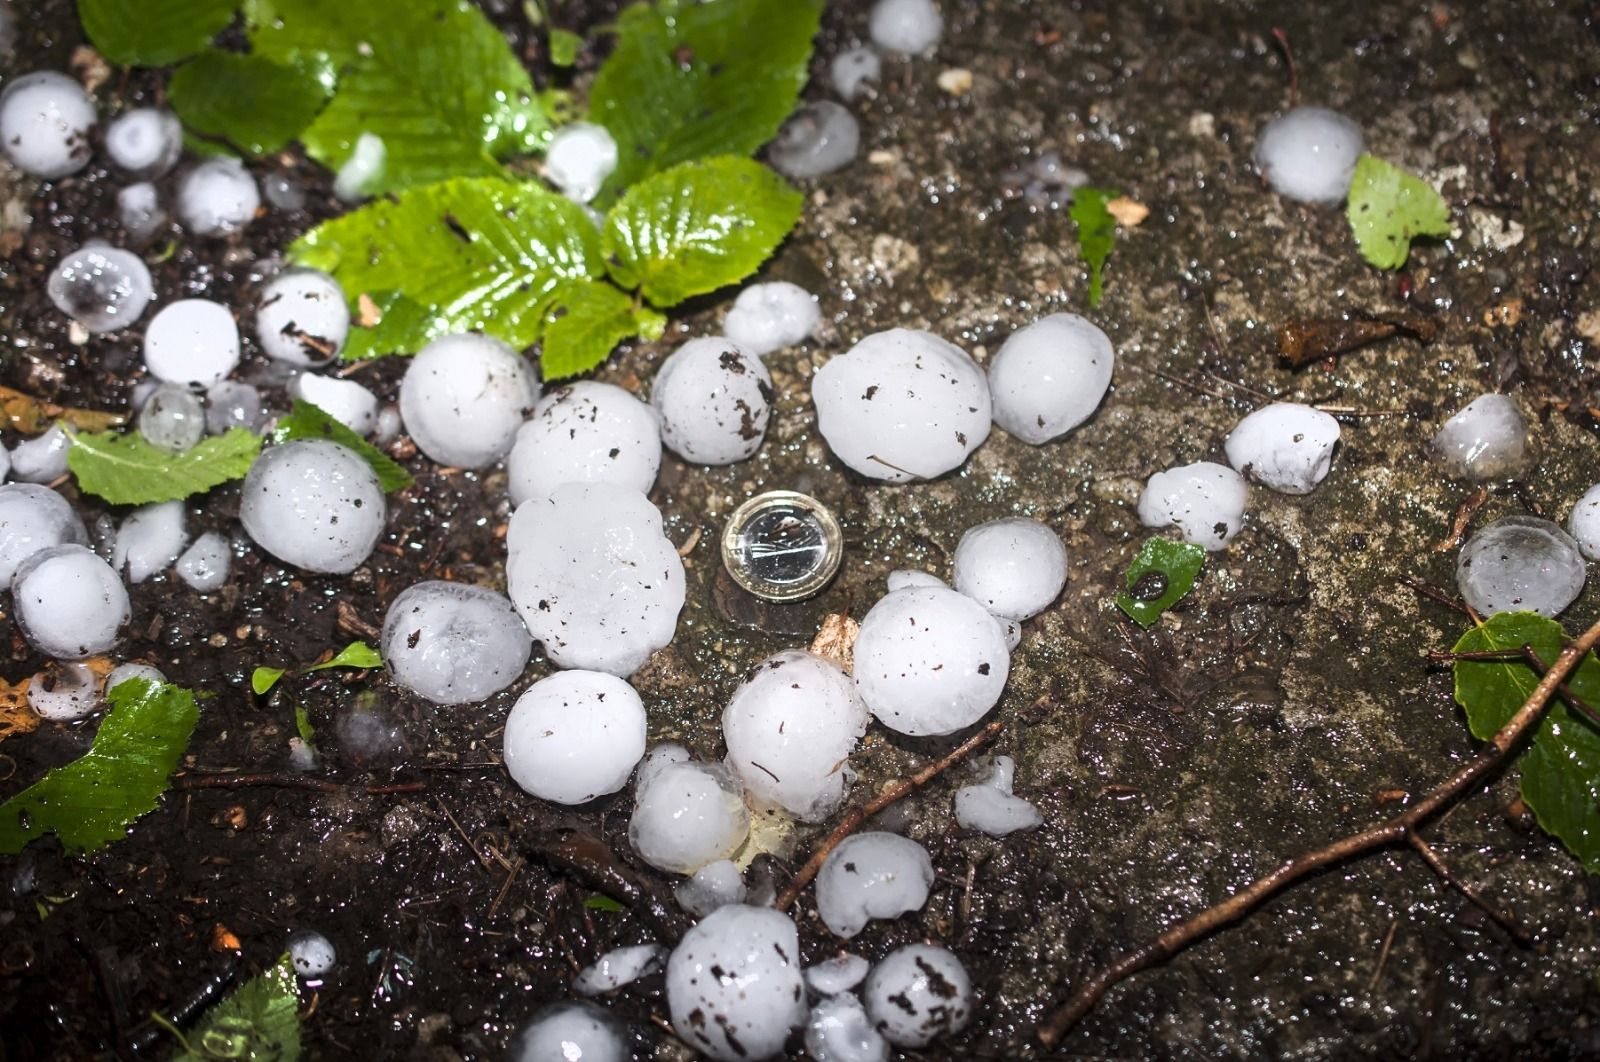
x=311, y=953
x=217, y=197
x=191, y=341
x=579, y=159
x=302, y=318
x=45, y=118
x=838, y=1030
x=917, y=994
x=1520, y=564
x=768, y=317
x=41, y=459
x=345, y=401
x=139, y=211
x=145, y=141
x=129, y=671
x=907, y=27
x=463, y=398
x=231, y=404
x=872, y=875
x=149, y=540
x=619, y=967
x=569, y=1032
x=1014, y=567
x=585, y=432
x=1486, y=440
x=1584, y=523
x=314, y=504
x=1050, y=376
x=989, y=807
x=574, y=736
x=686, y=814
x=733, y=984
x=173, y=418
x=841, y=973
x=362, y=169
x=454, y=644
x=1285, y=446
x=1205, y=501
x=819, y=138
x=204, y=565
x=64, y=692
x=69, y=603
x=714, y=401
x=714, y=885
x=1310, y=154
x=32, y=518
x=101, y=287
x=853, y=68
x=930, y=661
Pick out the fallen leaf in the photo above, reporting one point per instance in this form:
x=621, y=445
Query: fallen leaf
x=16, y=715
x=836, y=640
x=222, y=939
x=31, y=415
x=1128, y=212
x=1302, y=342
x=956, y=81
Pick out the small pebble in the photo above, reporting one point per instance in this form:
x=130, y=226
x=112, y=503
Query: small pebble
x=1486, y=440
x=45, y=118
x=69, y=603
x=1310, y=154
x=713, y=400
x=1204, y=501
x=191, y=341
x=1014, y=567
x=1285, y=446
x=204, y=565
x=101, y=287
x=574, y=736
x=1520, y=564
x=217, y=197
x=819, y=138
x=145, y=141
x=872, y=875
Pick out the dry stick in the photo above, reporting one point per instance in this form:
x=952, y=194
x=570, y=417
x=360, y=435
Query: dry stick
x=1505, y=919
x=896, y=790
x=1395, y=830
x=286, y=781
x=1525, y=655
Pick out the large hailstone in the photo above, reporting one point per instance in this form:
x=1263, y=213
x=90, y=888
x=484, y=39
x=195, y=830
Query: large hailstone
x=145, y=141
x=45, y=118
x=1014, y=568
x=902, y=405
x=64, y=691
x=453, y=643
x=139, y=210
x=767, y=317
x=103, y=288
x=838, y=1030
x=1310, y=154
x=569, y=1032
x=1050, y=376
x=853, y=68
x=41, y=459
x=575, y=736
x=1285, y=446
x=579, y=159
x=193, y=342
x=1584, y=522
x=585, y=432
x=314, y=504
x=790, y=729
x=312, y=954
x=1205, y=501
x=990, y=807
x=69, y=602
x=346, y=401
x=686, y=815
x=1520, y=564
x=302, y=317
x=930, y=661
x=594, y=576
x=217, y=197
x=173, y=418
x=714, y=885
x=908, y=27
x=734, y=985
x=33, y=518
x=1486, y=440
x=149, y=540
x=714, y=401
x=463, y=398
x=918, y=993
x=872, y=875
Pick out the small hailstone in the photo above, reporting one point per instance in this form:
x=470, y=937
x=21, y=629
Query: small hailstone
x=1013, y=632
x=32, y=518
x=204, y=565
x=369, y=736
x=453, y=643
x=569, y=1032
x=905, y=578
x=1013, y=567
x=217, y=197
x=619, y=967
x=989, y=807
x=1205, y=501
x=311, y=954
x=594, y=576
x=101, y=287
x=1584, y=523
x=231, y=404
x=902, y=405
x=575, y=736
x=173, y=418
x=41, y=459
x=686, y=814
x=909, y=27
x=463, y=398
x=714, y=401
x=191, y=341
x=918, y=993
x=139, y=210
x=585, y=432
x=1285, y=446
x=733, y=984
x=302, y=318
x=818, y=138
x=767, y=317
x=363, y=167
x=283, y=192
x=1520, y=564
x=5, y=464
x=832, y=977
x=1050, y=376
x=930, y=661
x=345, y=401
x=853, y=68
x=145, y=141
x=149, y=540
x=314, y=504
x=872, y=875
x=69, y=602
x=68, y=691
x=127, y=672
x=790, y=729
x=712, y=886
x=1486, y=440
x=1310, y=154
x=45, y=119
x=389, y=425
x=838, y=1030
x=579, y=159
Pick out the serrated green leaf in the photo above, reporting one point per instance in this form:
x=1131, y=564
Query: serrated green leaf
x=306, y=421
x=1177, y=563
x=262, y=679
x=1097, y=233
x=1388, y=208
x=588, y=320
x=125, y=470
x=402, y=326
x=258, y=1022
x=92, y=801
x=690, y=81
x=153, y=32
x=698, y=227
x=255, y=103
x=1491, y=691
x=601, y=902
x=564, y=47
x=356, y=654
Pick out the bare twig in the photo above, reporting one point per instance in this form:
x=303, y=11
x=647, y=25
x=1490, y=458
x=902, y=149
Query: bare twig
x=1383, y=954
x=289, y=781
x=1505, y=919
x=1279, y=35
x=1464, y=513
x=1523, y=654
x=1429, y=592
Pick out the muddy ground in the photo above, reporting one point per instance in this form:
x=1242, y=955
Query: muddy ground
x=1275, y=710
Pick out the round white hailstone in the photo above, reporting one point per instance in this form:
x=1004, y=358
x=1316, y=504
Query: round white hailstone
x=217, y=197
x=345, y=401
x=575, y=736
x=1050, y=377
x=853, y=68
x=1285, y=446
x=818, y=138
x=585, y=432
x=191, y=341
x=45, y=118
x=389, y=425
x=232, y=404
x=204, y=565
x=302, y=318
x=686, y=815
x=69, y=602
x=463, y=398
x=65, y=692
x=33, y=518
x=1520, y=564
x=454, y=644
x=790, y=729
x=1205, y=501
x=145, y=141
x=355, y=178
x=989, y=807
x=311, y=954
x=128, y=672
x=619, y=967
x=918, y=993
x=1486, y=440
x=1584, y=523
x=314, y=504
x=712, y=886
x=768, y=317
x=909, y=27
x=902, y=405
x=1310, y=154
x=41, y=459
x=837, y=975
x=714, y=401
x=579, y=159
x=594, y=576
x=1014, y=568
x=569, y=1032
x=283, y=192
x=872, y=875
x=149, y=540
x=905, y=578
x=930, y=661
x=139, y=210
x=838, y=1031
x=173, y=418
x=102, y=287
x=733, y=984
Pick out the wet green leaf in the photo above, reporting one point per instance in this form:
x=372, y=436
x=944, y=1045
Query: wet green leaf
x=1097, y=233
x=1388, y=208
x=125, y=470
x=153, y=32
x=258, y=1022
x=601, y=902
x=564, y=47
x=1174, y=565
x=356, y=654
x=262, y=679
x=589, y=318
x=403, y=326
x=306, y=421
x=255, y=103
x=302, y=724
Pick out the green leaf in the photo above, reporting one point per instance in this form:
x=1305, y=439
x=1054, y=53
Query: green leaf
x=91, y=801
x=1097, y=233
x=403, y=326
x=1492, y=691
x=125, y=470
x=689, y=81
x=253, y=102
x=262, y=679
x=356, y=654
x=588, y=319
x=481, y=254
x=259, y=1022
x=1388, y=208
x=153, y=32
x=697, y=227
x=1176, y=563
x=564, y=47
x=302, y=724
x=306, y=421
x=601, y=902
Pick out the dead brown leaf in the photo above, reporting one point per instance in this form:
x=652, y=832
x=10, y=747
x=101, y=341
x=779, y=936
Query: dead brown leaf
x=367, y=312
x=31, y=415
x=836, y=640
x=1128, y=212
x=16, y=716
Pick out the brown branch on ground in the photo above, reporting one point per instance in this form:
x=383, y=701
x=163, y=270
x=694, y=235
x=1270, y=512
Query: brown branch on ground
x=1282, y=37
x=289, y=781
x=1435, y=595
x=1505, y=919
x=1393, y=831
x=1464, y=513
x=1525, y=654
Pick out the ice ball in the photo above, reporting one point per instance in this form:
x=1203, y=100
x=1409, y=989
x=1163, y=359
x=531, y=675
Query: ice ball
x=579, y=159
x=575, y=736
x=918, y=993
x=45, y=118
x=818, y=138
x=1520, y=564
x=64, y=691
x=345, y=401
x=302, y=317
x=191, y=341
x=454, y=644
x=1486, y=440
x=1584, y=523
x=734, y=986
x=463, y=398
x=1310, y=154
x=714, y=885
x=1285, y=446
x=838, y=1030
x=585, y=432
x=929, y=661
x=853, y=68
x=69, y=602
x=569, y=1032
x=33, y=518
x=204, y=565
x=1014, y=567
x=314, y=504
x=217, y=197
x=872, y=875
x=686, y=814
x=908, y=27
x=311, y=953
x=989, y=807
x=841, y=973
x=618, y=967
x=145, y=141
x=139, y=211
x=1205, y=501
x=173, y=418
x=103, y=288
x=41, y=459
x=1050, y=376
x=768, y=317
x=714, y=401
x=231, y=404
x=149, y=540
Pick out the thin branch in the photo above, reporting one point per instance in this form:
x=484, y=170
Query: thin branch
x=289, y=781
x=1429, y=592
x=1524, y=655
x=1505, y=919
x=1383, y=954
